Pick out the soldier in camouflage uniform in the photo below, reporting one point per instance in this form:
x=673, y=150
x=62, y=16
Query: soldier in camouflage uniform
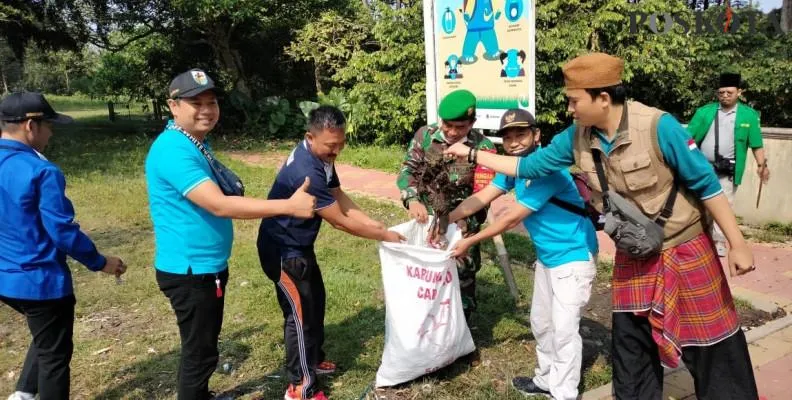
x=457, y=112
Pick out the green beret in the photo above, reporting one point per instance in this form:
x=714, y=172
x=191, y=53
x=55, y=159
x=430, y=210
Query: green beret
x=459, y=104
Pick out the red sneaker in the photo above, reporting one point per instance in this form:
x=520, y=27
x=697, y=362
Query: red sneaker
x=325, y=368
x=294, y=392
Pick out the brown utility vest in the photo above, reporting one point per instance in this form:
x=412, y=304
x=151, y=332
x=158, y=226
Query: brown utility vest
x=635, y=168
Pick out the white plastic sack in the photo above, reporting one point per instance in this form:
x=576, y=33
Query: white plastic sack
x=425, y=327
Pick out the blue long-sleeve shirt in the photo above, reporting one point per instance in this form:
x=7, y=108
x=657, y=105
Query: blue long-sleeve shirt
x=37, y=228
x=689, y=163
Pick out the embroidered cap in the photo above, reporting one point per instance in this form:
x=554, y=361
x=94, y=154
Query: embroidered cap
x=514, y=118
x=190, y=84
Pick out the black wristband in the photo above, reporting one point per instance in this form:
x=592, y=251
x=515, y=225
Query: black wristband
x=475, y=155
x=470, y=156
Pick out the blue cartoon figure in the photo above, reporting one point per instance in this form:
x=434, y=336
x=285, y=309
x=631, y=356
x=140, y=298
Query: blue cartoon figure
x=452, y=64
x=480, y=18
x=514, y=9
x=448, y=21
x=512, y=68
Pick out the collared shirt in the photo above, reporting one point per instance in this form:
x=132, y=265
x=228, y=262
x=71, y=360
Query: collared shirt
x=444, y=139
x=725, y=120
x=687, y=161
x=295, y=236
x=37, y=228
x=187, y=238
x=560, y=236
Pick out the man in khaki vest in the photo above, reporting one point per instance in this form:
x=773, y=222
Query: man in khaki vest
x=675, y=304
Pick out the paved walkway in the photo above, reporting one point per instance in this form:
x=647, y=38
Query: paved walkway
x=767, y=288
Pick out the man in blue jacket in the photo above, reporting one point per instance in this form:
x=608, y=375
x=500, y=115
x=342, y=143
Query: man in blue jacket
x=37, y=232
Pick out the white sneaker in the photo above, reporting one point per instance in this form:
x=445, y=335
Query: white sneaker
x=22, y=396
x=720, y=247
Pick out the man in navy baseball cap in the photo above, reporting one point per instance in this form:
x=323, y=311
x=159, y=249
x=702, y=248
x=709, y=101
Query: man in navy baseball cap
x=37, y=232
x=190, y=84
x=22, y=106
x=29, y=117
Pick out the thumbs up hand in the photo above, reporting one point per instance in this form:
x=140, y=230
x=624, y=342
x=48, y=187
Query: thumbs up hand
x=303, y=204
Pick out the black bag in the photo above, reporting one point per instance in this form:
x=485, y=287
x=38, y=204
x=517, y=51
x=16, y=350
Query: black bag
x=587, y=211
x=631, y=230
x=723, y=166
x=228, y=181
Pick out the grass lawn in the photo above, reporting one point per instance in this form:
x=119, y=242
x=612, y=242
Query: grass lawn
x=772, y=232
x=126, y=339
x=383, y=158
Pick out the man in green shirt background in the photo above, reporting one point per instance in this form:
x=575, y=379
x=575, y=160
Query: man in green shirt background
x=736, y=125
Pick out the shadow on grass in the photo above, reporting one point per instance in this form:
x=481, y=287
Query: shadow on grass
x=95, y=145
x=595, y=334
x=158, y=375
x=92, y=145
x=345, y=342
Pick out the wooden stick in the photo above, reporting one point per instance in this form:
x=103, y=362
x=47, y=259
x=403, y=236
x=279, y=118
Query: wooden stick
x=503, y=259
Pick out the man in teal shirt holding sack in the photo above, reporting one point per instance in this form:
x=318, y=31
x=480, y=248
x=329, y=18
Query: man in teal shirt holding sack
x=737, y=129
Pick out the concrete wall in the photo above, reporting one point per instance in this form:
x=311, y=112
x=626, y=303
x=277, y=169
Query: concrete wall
x=776, y=201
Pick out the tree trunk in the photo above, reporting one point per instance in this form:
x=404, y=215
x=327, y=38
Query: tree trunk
x=786, y=16
x=68, y=85
x=5, y=82
x=219, y=37
x=318, y=77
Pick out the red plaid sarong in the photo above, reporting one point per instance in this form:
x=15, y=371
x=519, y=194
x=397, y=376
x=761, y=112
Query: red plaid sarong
x=684, y=293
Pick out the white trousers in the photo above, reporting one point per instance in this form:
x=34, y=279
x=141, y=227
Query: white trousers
x=729, y=189
x=558, y=297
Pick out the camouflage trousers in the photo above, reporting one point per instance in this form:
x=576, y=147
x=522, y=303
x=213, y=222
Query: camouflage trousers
x=467, y=267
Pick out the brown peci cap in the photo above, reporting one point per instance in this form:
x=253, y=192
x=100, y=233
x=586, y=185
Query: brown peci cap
x=593, y=71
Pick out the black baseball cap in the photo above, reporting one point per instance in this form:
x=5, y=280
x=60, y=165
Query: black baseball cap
x=516, y=118
x=190, y=84
x=21, y=106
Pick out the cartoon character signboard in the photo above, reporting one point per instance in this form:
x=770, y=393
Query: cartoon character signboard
x=493, y=42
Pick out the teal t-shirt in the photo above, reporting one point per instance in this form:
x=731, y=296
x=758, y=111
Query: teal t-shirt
x=185, y=235
x=678, y=148
x=560, y=236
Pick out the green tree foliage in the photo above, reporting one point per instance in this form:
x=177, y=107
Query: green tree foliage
x=276, y=58
x=10, y=68
x=52, y=24
x=328, y=43
x=385, y=80
x=141, y=71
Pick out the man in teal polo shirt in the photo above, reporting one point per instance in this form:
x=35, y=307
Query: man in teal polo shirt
x=553, y=212
x=193, y=232
x=737, y=129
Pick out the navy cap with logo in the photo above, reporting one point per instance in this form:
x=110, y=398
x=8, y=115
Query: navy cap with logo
x=516, y=118
x=21, y=106
x=190, y=84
